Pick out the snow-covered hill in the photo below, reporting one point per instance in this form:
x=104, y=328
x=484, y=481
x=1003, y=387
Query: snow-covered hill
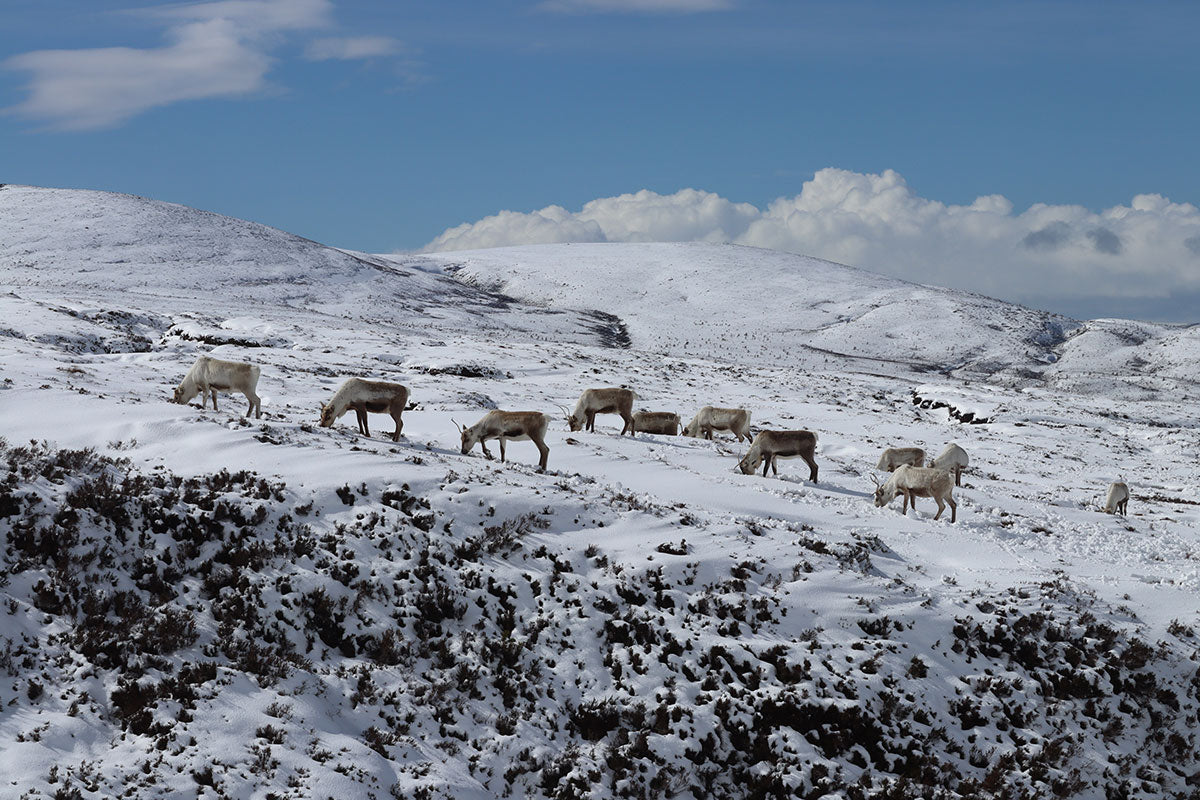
x=766, y=307
x=197, y=605
x=60, y=247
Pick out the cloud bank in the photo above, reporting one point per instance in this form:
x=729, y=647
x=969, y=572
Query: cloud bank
x=1147, y=250
x=213, y=49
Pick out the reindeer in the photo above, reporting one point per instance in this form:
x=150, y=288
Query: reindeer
x=770, y=445
x=209, y=374
x=895, y=456
x=656, y=422
x=377, y=397
x=709, y=419
x=915, y=482
x=505, y=425
x=602, y=401
x=952, y=459
x=1118, y=498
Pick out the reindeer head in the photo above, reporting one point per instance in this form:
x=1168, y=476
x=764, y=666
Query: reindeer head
x=575, y=422
x=184, y=392
x=884, y=492
x=750, y=462
x=468, y=438
x=327, y=418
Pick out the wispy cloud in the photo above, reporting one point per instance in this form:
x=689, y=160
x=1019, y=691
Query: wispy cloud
x=636, y=6
x=220, y=49
x=253, y=15
x=98, y=88
x=351, y=47
x=1147, y=249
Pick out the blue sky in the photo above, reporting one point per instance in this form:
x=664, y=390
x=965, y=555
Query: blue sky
x=379, y=125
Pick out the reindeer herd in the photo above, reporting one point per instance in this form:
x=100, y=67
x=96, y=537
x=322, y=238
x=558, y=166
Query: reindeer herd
x=911, y=476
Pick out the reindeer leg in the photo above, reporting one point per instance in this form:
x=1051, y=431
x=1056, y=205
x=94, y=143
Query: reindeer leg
x=544, y=451
x=906, y=499
x=953, y=508
x=775, y=465
x=399, y=427
x=361, y=413
x=502, y=443
x=213, y=392
x=941, y=507
x=812, y=467
x=958, y=476
x=628, y=425
x=254, y=404
x=486, y=452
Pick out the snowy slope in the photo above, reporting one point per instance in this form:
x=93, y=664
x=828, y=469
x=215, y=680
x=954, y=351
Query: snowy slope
x=58, y=246
x=206, y=606
x=766, y=307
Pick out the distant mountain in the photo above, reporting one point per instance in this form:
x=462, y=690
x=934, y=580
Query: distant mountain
x=766, y=307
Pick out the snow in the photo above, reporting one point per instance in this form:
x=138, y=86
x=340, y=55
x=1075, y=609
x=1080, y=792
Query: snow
x=110, y=298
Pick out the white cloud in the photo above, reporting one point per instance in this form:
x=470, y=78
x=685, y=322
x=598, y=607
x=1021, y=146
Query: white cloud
x=351, y=47
x=214, y=49
x=1147, y=249
x=637, y=6
x=253, y=15
x=83, y=89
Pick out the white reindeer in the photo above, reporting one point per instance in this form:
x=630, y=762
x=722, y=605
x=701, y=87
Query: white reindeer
x=506, y=425
x=656, y=422
x=209, y=374
x=1118, y=498
x=770, y=445
x=377, y=397
x=602, y=401
x=953, y=459
x=709, y=419
x=915, y=482
x=895, y=456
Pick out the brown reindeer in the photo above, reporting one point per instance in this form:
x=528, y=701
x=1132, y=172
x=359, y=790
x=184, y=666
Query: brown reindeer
x=895, y=456
x=602, y=401
x=709, y=419
x=770, y=445
x=656, y=422
x=377, y=397
x=506, y=425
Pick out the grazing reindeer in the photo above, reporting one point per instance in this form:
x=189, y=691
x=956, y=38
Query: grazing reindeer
x=709, y=419
x=505, y=425
x=209, y=374
x=656, y=422
x=952, y=459
x=377, y=397
x=895, y=456
x=770, y=445
x=602, y=401
x=1118, y=498
x=915, y=482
